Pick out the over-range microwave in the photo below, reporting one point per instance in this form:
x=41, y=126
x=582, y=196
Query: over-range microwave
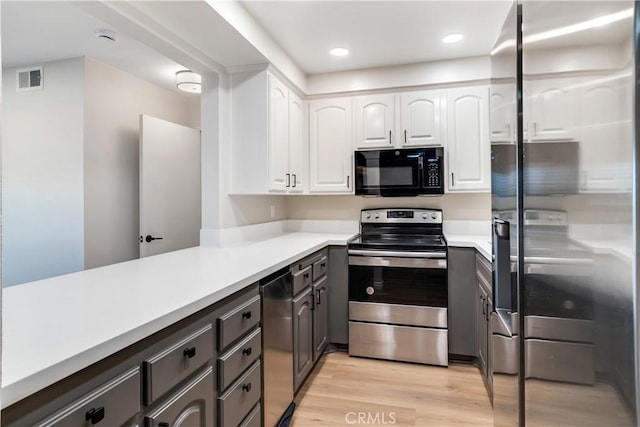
x=399, y=172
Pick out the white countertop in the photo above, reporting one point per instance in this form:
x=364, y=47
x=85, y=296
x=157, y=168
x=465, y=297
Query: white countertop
x=55, y=327
x=481, y=242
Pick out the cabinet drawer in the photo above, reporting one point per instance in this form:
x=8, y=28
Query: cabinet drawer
x=235, y=323
x=483, y=267
x=112, y=404
x=302, y=279
x=236, y=403
x=192, y=405
x=237, y=359
x=320, y=268
x=175, y=363
x=253, y=419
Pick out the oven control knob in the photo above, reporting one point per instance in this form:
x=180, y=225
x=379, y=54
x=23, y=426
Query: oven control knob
x=376, y=216
x=368, y=216
x=434, y=215
x=425, y=216
x=370, y=290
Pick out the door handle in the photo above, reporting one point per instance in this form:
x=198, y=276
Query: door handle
x=405, y=136
x=288, y=180
x=294, y=180
x=348, y=177
x=150, y=238
x=318, y=297
x=390, y=138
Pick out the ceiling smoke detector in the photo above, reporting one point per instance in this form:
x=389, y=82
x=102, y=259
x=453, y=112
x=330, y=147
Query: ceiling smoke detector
x=106, y=35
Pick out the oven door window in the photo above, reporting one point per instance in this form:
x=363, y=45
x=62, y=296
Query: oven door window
x=397, y=285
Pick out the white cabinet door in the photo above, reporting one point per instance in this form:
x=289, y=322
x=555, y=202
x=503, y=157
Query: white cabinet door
x=502, y=110
x=421, y=118
x=374, y=121
x=552, y=105
x=279, y=177
x=468, y=139
x=296, y=144
x=330, y=153
x=602, y=130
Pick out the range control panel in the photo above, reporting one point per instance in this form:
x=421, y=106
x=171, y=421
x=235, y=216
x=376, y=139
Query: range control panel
x=395, y=216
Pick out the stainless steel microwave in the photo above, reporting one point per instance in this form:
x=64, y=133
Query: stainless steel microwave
x=399, y=172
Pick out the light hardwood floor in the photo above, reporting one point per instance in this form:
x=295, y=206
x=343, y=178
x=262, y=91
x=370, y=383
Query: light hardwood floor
x=348, y=391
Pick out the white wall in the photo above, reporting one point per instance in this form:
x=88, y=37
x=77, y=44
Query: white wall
x=428, y=73
x=454, y=206
x=114, y=102
x=42, y=174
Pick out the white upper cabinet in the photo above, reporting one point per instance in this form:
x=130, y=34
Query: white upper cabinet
x=279, y=176
x=551, y=103
x=268, y=135
x=297, y=144
x=330, y=142
x=374, y=121
x=421, y=118
x=502, y=110
x=469, y=150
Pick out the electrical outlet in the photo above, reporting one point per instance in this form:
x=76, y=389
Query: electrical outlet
x=273, y=211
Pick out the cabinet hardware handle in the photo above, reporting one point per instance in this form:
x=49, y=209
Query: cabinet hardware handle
x=405, y=136
x=306, y=275
x=288, y=180
x=483, y=307
x=390, y=137
x=163, y=424
x=318, y=297
x=246, y=315
x=95, y=415
x=150, y=238
x=246, y=387
x=246, y=351
x=535, y=129
x=189, y=352
x=294, y=180
x=348, y=186
x=323, y=264
x=453, y=181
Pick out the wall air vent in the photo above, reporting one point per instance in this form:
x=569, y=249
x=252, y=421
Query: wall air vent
x=29, y=79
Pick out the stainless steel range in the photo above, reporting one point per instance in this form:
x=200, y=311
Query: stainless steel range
x=398, y=287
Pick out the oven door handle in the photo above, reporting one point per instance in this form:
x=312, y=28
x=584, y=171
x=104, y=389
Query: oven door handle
x=364, y=252
x=380, y=261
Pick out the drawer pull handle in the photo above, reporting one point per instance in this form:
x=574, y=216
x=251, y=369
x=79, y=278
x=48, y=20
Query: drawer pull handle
x=246, y=387
x=246, y=351
x=246, y=315
x=163, y=424
x=324, y=264
x=95, y=415
x=306, y=275
x=189, y=352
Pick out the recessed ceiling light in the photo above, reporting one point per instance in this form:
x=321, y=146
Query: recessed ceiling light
x=452, y=38
x=339, y=51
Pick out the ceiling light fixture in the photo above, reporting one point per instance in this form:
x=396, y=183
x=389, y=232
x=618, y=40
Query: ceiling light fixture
x=452, y=38
x=106, y=35
x=339, y=51
x=188, y=81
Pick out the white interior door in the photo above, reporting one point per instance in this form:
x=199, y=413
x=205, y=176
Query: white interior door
x=169, y=186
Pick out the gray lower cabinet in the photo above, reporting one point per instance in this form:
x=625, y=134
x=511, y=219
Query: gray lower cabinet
x=320, y=317
x=484, y=308
x=190, y=406
x=462, y=319
x=302, y=336
x=241, y=397
x=338, y=274
x=115, y=403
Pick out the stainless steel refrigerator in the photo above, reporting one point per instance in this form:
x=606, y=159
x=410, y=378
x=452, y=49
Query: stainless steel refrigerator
x=563, y=132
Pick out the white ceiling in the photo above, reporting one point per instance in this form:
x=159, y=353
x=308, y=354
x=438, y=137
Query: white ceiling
x=38, y=32
x=378, y=33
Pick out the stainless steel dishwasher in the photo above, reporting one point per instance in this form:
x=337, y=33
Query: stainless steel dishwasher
x=277, y=352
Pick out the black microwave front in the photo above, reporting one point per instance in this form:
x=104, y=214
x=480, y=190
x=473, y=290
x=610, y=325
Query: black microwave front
x=399, y=172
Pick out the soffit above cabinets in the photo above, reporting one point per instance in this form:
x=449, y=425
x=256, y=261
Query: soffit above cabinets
x=378, y=33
